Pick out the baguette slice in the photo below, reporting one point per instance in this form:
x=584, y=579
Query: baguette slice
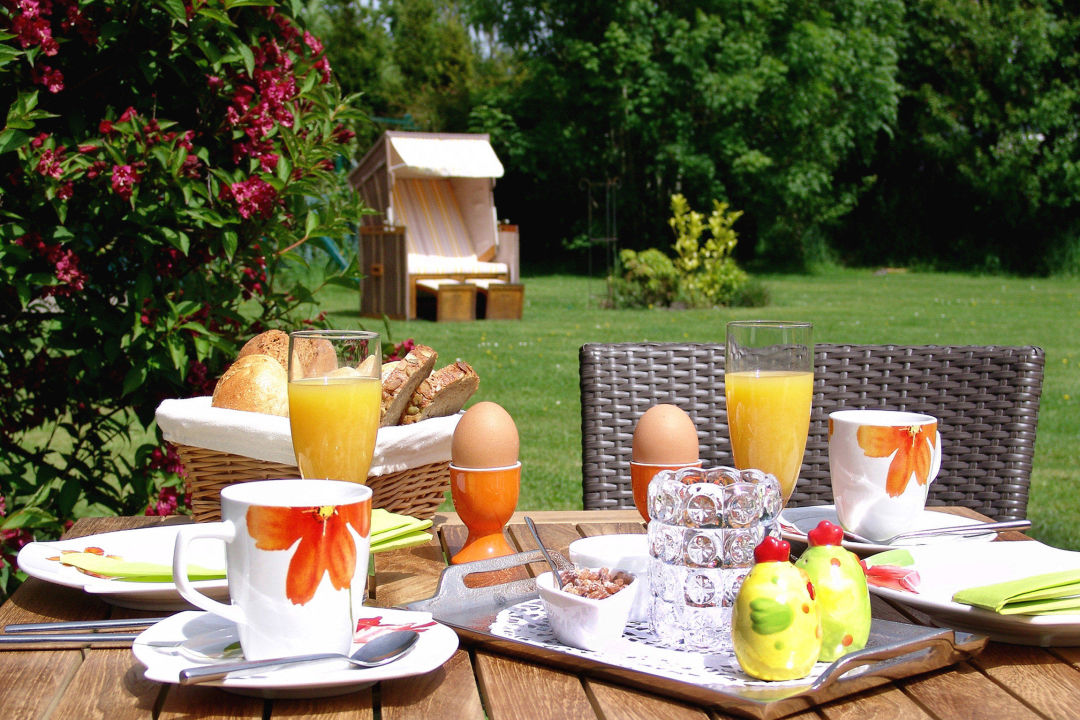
x=401, y=382
x=444, y=392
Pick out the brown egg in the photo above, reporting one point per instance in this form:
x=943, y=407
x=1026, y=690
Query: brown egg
x=485, y=437
x=665, y=435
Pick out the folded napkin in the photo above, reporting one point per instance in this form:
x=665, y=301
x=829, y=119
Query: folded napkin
x=132, y=571
x=194, y=422
x=392, y=531
x=1055, y=593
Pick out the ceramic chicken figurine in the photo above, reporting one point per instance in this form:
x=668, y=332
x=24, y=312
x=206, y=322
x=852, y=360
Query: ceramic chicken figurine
x=776, y=631
x=840, y=588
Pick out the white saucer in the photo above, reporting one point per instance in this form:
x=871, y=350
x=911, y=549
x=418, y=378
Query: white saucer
x=152, y=544
x=796, y=522
x=945, y=569
x=163, y=649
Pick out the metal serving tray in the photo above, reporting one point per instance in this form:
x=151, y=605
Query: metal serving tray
x=895, y=650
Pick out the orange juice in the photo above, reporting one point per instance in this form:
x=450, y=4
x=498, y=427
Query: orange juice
x=334, y=423
x=769, y=418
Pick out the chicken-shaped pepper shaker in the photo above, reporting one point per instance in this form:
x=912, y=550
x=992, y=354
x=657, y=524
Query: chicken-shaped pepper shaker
x=840, y=587
x=775, y=626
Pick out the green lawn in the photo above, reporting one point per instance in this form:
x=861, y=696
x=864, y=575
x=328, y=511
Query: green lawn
x=530, y=367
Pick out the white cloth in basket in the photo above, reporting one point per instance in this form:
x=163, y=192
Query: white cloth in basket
x=267, y=437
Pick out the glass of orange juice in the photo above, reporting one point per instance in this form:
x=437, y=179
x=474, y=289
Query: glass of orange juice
x=769, y=384
x=334, y=396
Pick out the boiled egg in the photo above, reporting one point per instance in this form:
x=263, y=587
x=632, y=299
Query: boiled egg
x=665, y=435
x=485, y=437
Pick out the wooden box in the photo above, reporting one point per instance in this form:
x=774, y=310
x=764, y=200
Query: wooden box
x=503, y=301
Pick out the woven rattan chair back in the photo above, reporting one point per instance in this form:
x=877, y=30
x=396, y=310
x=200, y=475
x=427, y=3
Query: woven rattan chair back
x=985, y=397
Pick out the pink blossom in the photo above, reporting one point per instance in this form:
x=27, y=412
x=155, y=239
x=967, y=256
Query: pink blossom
x=323, y=66
x=127, y=114
x=253, y=197
x=105, y=127
x=124, y=178
x=51, y=79
x=313, y=42
x=214, y=82
x=49, y=163
x=268, y=162
x=39, y=139
x=65, y=191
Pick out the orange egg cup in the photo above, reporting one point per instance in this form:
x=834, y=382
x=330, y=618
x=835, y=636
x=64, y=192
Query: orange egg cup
x=641, y=474
x=485, y=499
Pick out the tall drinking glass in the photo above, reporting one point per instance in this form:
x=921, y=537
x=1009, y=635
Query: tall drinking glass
x=769, y=383
x=334, y=396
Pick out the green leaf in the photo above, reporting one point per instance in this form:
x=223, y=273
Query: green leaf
x=311, y=223
x=248, y=58
x=175, y=8
x=11, y=139
x=219, y=16
x=134, y=379
x=28, y=517
x=229, y=242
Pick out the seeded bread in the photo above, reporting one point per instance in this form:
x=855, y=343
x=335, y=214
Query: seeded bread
x=401, y=382
x=255, y=383
x=442, y=393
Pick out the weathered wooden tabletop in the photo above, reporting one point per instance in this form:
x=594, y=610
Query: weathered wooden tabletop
x=1004, y=681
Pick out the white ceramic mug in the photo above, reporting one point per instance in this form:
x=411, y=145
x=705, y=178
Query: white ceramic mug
x=296, y=556
x=882, y=463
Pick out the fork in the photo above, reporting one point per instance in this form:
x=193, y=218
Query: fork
x=970, y=530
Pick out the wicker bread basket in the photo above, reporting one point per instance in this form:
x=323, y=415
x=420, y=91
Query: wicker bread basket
x=417, y=492
x=418, y=489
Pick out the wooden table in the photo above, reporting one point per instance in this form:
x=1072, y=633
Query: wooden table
x=1005, y=681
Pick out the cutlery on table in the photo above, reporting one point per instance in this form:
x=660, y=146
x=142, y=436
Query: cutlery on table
x=971, y=530
x=52, y=632
x=81, y=625
x=381, y=650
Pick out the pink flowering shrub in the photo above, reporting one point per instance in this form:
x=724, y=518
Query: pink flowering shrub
x=160, y=162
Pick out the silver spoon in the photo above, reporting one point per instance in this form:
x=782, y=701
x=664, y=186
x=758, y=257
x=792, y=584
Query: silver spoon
x=382, y=650
x=555, y=571
x=971, y=530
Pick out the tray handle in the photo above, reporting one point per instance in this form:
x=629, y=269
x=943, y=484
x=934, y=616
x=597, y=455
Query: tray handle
x=452, y=590
x=929, y=650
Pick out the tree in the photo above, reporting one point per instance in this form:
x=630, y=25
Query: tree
x=761, y=104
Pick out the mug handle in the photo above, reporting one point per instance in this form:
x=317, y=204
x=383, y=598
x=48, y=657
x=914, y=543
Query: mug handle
x=935, y=462
x=225, y=531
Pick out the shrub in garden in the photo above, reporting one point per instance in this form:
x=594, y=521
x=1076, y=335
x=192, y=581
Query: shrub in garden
x=159, y=162
x=702, y=274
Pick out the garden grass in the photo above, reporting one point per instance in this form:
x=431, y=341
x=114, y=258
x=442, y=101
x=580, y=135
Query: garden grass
x=530, y=367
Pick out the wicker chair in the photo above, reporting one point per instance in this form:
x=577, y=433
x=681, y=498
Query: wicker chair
x=985, y=397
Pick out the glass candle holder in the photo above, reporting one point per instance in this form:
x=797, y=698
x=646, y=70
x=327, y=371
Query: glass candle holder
x=704, y=524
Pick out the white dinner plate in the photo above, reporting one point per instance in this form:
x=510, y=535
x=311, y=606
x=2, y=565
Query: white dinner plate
x=796, y=522
x=163, y=649
x=152, y=544
x=946, y=569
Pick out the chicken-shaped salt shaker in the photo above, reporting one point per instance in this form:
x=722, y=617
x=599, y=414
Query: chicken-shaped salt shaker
x=840, y=587
x=775, y=627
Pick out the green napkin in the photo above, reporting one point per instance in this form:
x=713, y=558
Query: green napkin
x=392, y=531
x=133, y=571
x=1055, y=593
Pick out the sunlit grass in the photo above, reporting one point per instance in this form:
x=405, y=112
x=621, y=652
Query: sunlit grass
x=531, y=367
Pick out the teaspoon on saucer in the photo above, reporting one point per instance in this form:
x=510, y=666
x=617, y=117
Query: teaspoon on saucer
x=382, y=650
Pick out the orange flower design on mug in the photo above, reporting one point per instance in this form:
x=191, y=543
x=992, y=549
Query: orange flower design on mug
x=325, y=543
x=913, y=445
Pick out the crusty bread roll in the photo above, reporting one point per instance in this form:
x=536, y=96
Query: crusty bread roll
x=442, y=393
x=274, y=343
x=256, y=383
x=400, y=383
x=314, y=356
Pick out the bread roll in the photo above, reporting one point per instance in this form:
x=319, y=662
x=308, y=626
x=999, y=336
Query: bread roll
x=442, y=393
x=315, y=357
x=274, y=343
x=255, y=383
x=400, y=383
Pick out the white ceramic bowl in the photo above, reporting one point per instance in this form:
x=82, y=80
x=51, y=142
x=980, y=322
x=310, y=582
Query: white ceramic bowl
x=629, y=552
x=582, y=622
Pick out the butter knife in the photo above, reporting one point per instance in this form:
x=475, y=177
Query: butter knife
x=81, y=625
